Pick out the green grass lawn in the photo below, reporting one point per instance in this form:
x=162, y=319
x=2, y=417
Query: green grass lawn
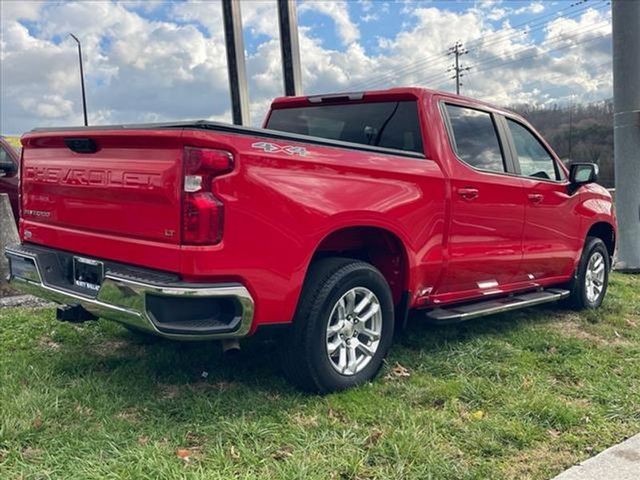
x=519, y=395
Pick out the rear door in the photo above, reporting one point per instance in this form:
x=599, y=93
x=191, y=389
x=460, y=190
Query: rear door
x=551, y=239
x=487, y=220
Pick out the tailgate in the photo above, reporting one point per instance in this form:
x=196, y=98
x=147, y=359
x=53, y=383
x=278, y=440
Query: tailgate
x=112, y=182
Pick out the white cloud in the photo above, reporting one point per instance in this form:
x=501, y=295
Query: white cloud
x=19, y=10
x=48, y=106
x=261, y=18
x=488, y=3
x=495, y=10
x=139, y=69
x=366, y=5
x=144, y=5
x=339, y=13
x=497, y=14
x=258, y=16
x=533, y=7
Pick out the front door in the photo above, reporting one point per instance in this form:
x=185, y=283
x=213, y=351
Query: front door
x=487, y=217
x=551, y=239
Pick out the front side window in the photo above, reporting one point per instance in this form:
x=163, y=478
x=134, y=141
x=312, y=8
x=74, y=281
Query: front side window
x=383, y=124
x=535, y=161
x=475, y=138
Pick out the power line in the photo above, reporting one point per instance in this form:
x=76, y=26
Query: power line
x=526, y=57
x=442, y=78
x=554, y=40
x=417, y=65
x=533, y=25
x=596, y=37
x=563, y=76
x=540, y=22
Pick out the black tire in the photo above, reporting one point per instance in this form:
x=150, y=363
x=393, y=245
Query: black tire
x=579, y=299
x=305, y=356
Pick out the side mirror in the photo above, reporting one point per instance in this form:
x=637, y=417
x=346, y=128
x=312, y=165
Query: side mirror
x=583, y=173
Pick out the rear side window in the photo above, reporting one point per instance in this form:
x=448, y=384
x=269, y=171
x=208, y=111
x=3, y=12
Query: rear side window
x=475, y=138
x=535, y=161
x=383, y=124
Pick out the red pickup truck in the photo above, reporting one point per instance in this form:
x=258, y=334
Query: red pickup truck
x=339, y=217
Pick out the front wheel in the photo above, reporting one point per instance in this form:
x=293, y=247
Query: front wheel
x=589, y=286
x=343, y=326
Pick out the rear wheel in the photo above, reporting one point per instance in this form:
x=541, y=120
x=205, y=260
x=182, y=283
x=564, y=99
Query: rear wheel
x=343, y=326
x=589, y=286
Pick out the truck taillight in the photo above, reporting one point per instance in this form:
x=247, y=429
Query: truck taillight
x=203, y=213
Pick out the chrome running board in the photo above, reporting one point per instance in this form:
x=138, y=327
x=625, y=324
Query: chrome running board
x=459, y=313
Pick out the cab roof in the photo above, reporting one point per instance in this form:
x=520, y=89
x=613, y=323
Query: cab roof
x=390, y=94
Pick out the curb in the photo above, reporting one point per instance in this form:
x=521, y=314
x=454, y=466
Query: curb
x=620, y=462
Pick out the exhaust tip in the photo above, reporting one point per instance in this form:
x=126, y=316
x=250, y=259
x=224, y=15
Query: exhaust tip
x=230, y=347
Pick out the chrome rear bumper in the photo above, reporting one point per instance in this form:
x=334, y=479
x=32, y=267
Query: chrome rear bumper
x=141, y=299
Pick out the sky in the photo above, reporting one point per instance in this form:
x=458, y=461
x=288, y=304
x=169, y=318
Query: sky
x=153, y=60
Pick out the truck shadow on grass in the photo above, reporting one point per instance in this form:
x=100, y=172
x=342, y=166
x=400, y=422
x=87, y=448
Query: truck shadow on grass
x=157, y=369
x=424, y=335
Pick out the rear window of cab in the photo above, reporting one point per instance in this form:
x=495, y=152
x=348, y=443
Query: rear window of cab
x=383, y=124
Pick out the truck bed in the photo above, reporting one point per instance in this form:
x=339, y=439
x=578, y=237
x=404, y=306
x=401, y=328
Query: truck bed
x=232, y=129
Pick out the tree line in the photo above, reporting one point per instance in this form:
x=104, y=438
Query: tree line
x=579, y=133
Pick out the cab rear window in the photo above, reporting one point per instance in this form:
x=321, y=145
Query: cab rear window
x=383, y=124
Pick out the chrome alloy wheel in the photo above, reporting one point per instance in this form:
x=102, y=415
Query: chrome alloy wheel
x=354, y=330
x=594, y=277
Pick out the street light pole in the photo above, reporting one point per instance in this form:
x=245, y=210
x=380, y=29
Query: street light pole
x=289, y=47
x=232, y=20
x=84, y=98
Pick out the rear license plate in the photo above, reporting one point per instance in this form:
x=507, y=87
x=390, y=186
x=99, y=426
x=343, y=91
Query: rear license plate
x=87, y=273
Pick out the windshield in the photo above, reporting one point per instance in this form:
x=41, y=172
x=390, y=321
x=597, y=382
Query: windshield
x=384, y=124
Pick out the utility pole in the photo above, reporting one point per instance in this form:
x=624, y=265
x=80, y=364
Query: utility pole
x=459, y=70
x=232, y=20
x=289, y=47
x=84, y=98
x=626, y=130
x=570, y=126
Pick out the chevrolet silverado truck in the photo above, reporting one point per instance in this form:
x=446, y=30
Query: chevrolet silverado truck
x=339, y=217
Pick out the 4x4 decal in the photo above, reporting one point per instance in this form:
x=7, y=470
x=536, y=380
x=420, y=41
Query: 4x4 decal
x=275, y=148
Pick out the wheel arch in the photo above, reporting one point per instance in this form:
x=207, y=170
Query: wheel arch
x=379, y=246
x=605, y=232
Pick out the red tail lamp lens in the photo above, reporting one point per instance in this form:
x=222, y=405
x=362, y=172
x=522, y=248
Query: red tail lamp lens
x=203, y=212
